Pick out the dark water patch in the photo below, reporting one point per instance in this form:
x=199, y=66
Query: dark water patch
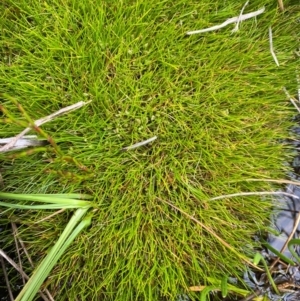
x=285, y=227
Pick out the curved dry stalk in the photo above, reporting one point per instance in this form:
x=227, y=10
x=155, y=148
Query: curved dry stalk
x=271, y=46
x=221, y=240
x=229, y=21
x=253, y=193
x=236, y=28
x=280, y=181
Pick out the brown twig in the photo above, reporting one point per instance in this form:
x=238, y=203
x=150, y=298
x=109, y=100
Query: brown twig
x=281, y=6
x=252, y=296
x=49, y=216
x=24, y=249
x=15, y=230
x=6, y=280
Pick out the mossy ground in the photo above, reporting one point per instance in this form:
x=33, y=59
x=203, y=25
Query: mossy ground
x=214, y=100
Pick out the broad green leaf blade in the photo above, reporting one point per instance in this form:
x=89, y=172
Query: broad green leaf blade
x=32, y=286
x=78, y=196
x=44, y=198
x=47, y=269
x=38, y=207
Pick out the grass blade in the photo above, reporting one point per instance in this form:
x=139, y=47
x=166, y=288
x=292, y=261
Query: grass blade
x=257, y=258
x=280, y=255
x=291, y=244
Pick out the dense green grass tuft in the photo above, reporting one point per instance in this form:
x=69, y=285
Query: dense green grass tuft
x=214, y=100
